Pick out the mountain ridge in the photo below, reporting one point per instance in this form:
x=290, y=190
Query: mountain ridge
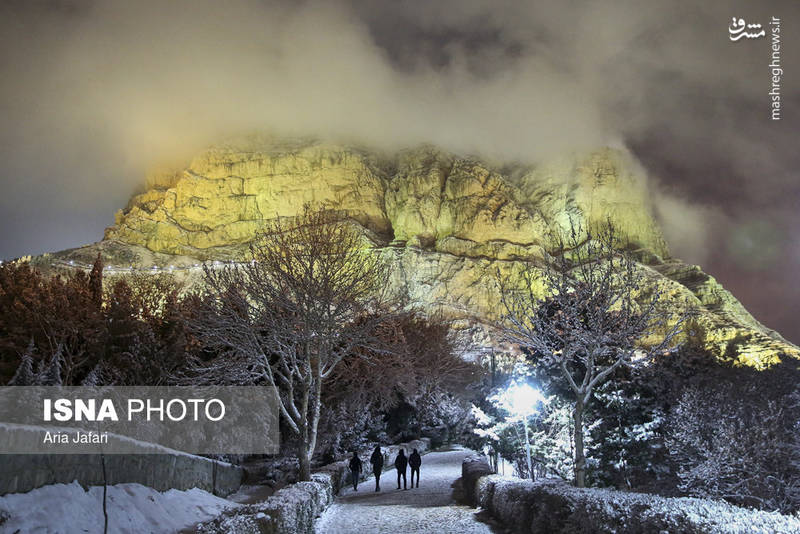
x=445, y=222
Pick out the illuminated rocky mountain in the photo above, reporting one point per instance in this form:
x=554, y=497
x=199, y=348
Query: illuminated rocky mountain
x=447, y=223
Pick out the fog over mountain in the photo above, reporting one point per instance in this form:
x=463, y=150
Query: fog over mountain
x=94, y=93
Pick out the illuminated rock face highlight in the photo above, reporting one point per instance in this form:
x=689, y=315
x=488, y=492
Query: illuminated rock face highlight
x=422, y=196
x=223, y=197
x=447, y=224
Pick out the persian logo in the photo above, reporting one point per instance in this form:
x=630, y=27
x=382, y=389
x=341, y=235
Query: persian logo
x=737, y=30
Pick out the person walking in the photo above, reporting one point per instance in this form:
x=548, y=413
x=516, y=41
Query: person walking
x=377, y=466
x=414, y=461
x=355, y=469
x=400, y=463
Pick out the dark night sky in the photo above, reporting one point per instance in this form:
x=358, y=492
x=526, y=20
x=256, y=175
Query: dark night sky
x=93, y=93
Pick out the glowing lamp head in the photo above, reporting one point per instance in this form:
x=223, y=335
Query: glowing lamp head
x=523, y=398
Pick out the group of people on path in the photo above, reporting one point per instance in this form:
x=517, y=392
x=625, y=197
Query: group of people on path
x=401, y=463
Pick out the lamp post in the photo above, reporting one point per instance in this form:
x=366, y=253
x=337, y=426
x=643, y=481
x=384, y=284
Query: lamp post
x=523, y=400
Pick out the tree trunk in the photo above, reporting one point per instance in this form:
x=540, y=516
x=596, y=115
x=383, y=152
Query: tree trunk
x=305, y=464
x=314, y=423
x=580, y=458
x=305, y=449
x=527, y=447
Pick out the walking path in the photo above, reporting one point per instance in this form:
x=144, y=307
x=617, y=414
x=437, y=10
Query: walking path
x=430, y=508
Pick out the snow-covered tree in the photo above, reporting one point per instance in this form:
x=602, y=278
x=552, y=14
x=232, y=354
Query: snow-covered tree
x=46, y=373
x=313, y=293
x=58, y=312
x=594, y=317
x=345, y=428
x=729, y=444
x=24, y=375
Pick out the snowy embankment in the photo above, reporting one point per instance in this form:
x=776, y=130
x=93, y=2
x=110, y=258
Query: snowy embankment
x=132, y=509
x=293, y=509
x=556, y=507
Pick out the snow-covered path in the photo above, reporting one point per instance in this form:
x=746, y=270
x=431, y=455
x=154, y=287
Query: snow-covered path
x=430, y=508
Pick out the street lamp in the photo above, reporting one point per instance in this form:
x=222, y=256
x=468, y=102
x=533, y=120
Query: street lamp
x=522, y=399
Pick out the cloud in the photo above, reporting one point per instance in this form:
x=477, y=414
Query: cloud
x=133, y=81
x=688, y=227
x=130, y=82
x=94, y=92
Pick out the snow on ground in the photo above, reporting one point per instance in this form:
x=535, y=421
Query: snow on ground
x=429, y=508
x=132, y=508
x=248, y=494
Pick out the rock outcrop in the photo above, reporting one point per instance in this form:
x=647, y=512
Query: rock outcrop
x=423, y=197
x=447, y=223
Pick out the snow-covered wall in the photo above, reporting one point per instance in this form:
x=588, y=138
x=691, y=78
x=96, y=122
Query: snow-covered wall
x=132, y=509
x=553, y=506
x=25, y=472
x=157, y=467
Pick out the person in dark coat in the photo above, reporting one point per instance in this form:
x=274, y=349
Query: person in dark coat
x=355, y=469
x=400, y=463
x=377, y=466
x=414, y=461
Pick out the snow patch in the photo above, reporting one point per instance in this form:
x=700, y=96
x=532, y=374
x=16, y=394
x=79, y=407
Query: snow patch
x=132, y=509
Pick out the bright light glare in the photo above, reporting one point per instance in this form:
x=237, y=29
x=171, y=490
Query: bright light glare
x=522, y=399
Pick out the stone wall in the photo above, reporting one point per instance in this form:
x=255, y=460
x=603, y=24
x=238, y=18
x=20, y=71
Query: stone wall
x=20, y=473
x=554, y=507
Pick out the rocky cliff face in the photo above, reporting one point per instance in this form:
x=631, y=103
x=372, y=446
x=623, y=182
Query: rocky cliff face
x=422, y=197
x=447, y=223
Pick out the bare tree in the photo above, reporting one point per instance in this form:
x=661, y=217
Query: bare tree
x=312, y=294
x=732, y=443
x=584, y=313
